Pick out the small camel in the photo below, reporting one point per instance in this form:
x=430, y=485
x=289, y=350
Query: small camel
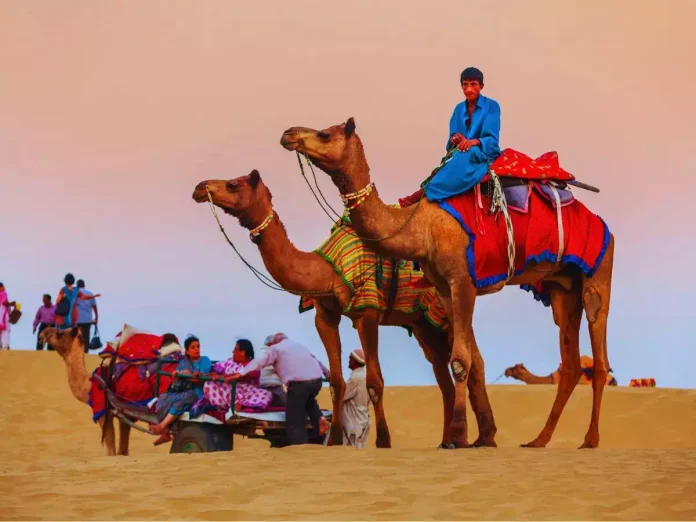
x=70, y=346
x=428, y=235
x=520, y=372
x=307, y=273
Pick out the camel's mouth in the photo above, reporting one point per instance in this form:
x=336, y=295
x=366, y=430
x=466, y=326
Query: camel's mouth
x=290, y=140
x=200, y=194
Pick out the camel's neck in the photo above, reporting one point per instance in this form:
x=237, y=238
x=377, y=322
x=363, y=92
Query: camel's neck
x=293, y=269
x=530, y=378
x=78, y=376
x=375, y=219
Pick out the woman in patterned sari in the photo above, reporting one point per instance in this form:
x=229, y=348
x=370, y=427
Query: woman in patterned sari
x=217, y=396
x=183, y=393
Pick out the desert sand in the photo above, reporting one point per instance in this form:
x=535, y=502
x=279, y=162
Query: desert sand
x=53, y=466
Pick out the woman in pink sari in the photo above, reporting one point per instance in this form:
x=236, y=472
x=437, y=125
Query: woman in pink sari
x=217, y=396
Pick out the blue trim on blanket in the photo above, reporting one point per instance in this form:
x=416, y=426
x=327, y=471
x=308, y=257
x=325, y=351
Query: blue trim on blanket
x=546, y=255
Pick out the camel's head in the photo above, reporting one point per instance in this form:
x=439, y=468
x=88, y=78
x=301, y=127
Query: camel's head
x=247, y=198
x=331, y=149
x=62, y=341
x=515, y=371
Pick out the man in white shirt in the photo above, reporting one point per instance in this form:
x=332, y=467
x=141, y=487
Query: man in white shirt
x=356, y=407
x=301, y=374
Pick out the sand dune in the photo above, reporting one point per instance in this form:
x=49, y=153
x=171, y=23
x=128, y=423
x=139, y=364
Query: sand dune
x=53, y=467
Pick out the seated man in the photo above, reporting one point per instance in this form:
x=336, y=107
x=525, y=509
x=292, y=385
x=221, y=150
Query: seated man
x=301, y=373
x=475, y=130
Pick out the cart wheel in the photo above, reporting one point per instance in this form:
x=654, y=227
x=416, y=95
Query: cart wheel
x=202, y=438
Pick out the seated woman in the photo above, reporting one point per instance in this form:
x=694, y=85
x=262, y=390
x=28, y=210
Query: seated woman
x=183, y=393
x=217, y=395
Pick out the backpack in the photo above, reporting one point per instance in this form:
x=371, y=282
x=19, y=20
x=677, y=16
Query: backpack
x=63, y=306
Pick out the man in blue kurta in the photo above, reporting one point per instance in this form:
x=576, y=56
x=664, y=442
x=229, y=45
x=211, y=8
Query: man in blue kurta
x=475, y=130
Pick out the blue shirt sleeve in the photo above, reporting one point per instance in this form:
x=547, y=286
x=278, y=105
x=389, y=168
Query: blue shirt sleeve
x=490, y=131
x=454, y=125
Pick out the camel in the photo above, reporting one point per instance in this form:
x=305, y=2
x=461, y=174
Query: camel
x=70, y=346
x=520, y=372
x=307, y=273
x=430, y=236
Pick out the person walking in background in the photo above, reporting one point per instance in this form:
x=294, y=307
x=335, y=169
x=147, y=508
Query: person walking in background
x=45, y=317
x=5, y=308
x=85, y=318
x=66, y=311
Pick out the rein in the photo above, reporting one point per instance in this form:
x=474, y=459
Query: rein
x=361, y=196
x=269, y=282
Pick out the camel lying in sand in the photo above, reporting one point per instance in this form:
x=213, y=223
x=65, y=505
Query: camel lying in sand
x=520, y=372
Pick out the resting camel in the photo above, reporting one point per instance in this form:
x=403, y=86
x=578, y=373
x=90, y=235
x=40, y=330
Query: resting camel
x=70, y=346
x=520, y=372
x=248, y=199
x=428, y=235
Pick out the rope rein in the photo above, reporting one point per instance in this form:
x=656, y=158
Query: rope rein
x=269, y=282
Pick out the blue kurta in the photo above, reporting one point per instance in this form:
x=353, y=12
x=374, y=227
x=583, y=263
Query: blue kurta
x=466, y=169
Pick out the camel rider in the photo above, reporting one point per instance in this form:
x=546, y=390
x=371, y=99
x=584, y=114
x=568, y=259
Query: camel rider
x=475, y=130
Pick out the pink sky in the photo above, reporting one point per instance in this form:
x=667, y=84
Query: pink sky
x=111, y=112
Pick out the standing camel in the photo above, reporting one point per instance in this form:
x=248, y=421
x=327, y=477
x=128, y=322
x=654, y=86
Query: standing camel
x=428, y=235
x=70, y=346
x=307, y=273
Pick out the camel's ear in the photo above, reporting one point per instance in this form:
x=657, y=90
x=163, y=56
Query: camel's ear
x=350, y=127
x=73, y=332
x=254, y=178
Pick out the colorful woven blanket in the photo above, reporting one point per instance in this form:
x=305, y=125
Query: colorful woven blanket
x=369, y=276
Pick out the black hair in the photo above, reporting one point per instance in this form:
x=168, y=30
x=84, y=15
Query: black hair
x=169, y=338
x=190, y=339
x=48, y=296
x=80, y=283
x=69, y=279
x=246, y=346
x=471, y=74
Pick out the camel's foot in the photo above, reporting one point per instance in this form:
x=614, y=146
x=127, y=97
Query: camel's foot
x=486, y=442
x=536, y=443
x=590, y=444
x=384, y=442
x=383, y=437
x=452, y=445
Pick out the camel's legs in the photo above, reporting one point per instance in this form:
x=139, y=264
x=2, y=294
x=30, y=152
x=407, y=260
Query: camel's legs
x=595, y=296
x=367, y=325
x=478, y=396
x=567, y=314
x=463, y=298
x=436, y=348
x=326, y=322
x=123, y=437
x=106, y=423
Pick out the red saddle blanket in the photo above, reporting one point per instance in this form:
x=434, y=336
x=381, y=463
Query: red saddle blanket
x=133, y=382
x=585, y=236
x=515, y=164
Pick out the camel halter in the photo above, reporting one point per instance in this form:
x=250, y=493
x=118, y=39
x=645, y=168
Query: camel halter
x=365, y=192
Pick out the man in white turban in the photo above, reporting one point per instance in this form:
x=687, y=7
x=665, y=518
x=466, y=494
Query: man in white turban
x=356, y=408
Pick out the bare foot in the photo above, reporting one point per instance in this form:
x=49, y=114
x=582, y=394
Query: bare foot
x=165, y=437
x=157, y=428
